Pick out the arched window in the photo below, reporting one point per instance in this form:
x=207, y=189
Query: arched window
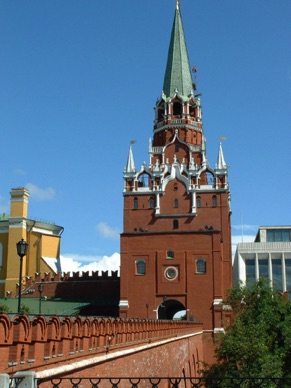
x=161, y=112
x=144, y=180
x=176, y=202
x=201, y=266
x=175, y=224
x=176, y=147
x=209, y=177
x=177, y=109
x=140, y=267
x=135, y=203
x=214, y=201
x=198, y=201
x=151, y=203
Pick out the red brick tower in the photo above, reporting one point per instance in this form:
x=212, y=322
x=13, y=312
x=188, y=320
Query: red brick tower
x=176, y=242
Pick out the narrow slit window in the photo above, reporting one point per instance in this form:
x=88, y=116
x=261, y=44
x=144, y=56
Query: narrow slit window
x=198, y=201
x=151, y=203
x=214, y=201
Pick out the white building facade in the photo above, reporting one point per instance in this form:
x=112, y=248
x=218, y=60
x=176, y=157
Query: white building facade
x=269, y=256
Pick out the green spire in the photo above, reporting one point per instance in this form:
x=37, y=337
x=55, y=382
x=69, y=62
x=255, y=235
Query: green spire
x=178, y=74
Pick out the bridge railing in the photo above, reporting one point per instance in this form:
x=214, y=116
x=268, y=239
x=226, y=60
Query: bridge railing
x=150, y=382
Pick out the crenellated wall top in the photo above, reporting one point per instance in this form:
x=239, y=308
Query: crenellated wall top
x=74, y=276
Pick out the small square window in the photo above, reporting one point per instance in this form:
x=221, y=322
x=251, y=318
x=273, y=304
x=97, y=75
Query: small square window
x=170, y=254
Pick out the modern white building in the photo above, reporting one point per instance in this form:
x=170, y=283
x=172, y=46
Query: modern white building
x=268, y=256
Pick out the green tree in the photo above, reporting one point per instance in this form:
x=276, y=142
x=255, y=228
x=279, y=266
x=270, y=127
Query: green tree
x=258, y=343
x=4, y=308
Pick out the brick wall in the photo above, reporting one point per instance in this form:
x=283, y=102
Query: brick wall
x=62, y=346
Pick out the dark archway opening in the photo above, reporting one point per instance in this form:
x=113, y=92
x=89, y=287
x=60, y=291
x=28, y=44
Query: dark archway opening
x=169, y=308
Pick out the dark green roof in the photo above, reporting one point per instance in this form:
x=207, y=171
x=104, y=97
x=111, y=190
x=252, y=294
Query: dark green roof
x=178, y=73
x=53, y=306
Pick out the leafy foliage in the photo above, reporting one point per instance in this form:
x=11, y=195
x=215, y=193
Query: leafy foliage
x=4, y=308
x=258, y=344
x=25, y=309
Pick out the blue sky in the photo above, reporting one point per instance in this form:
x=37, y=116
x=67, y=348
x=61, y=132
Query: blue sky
x=79, y=80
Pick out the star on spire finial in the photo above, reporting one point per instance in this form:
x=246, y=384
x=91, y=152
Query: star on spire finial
x=178, y=5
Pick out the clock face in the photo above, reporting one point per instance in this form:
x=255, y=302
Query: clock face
x=171, y=273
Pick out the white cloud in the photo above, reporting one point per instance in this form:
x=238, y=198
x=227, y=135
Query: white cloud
x=39, y=193
x=78, y=263
x=245, y=227
x=19, y=171
x=107, y=231
x=235, y=239
x=75, y=263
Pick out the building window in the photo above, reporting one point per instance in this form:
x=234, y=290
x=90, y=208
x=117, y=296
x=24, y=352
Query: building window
x=135, y=203
x=278, y=235
x=151, y=203
x=176, y=202
x=176, y=147
x=264, y=268
x=198, y=201
x=177, y=109
x=175, y=224
x=214, y=201
x=171, y=273
x=250, y=272
x=140, y=266
x=277, y=274
x=276, y=268
x=201, y=266
x=144, y=180
x=175, y=186
x=170, y=254
x=288, y=275
x=209, y=178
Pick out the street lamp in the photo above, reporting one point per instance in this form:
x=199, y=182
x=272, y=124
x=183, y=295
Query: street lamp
x=40, y=290
x=21, y=251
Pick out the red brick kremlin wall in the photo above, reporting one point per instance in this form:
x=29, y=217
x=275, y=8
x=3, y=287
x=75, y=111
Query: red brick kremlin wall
x=64, y=347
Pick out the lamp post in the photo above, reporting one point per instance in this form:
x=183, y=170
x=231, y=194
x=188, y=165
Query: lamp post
x=21, y=251
x=40, y=290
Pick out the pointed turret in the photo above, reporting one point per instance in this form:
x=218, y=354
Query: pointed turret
x=130, y=166
x=178, y=78
x=220, y=165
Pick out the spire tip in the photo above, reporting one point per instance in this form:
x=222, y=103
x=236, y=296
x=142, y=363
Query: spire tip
x=178, y=5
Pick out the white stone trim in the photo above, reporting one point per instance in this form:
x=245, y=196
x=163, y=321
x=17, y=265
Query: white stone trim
x=123, y=304
x=217, y=302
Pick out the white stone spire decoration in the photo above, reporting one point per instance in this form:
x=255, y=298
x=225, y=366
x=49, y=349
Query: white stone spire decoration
x=178, y=5
x=130, y=166
x=220, y=165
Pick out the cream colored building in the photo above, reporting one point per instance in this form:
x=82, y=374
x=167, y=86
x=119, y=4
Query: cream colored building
x=43, y=254
x=268, y=256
